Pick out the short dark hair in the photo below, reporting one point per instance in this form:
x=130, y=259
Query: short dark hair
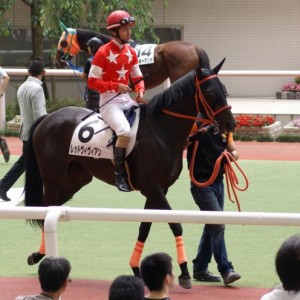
x=53, y=272
x=154, y=269
x=287, y=263
x=126, y=287
x=36, y=66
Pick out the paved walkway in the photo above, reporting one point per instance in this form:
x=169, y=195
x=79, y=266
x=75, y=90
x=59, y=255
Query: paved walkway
x=98, y=290
x=282, y=110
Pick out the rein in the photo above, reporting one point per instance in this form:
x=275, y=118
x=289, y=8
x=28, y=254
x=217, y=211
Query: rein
x=209, y=112
x=230, y=175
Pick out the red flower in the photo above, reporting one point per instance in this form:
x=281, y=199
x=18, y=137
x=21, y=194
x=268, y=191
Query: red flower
x=253, y=121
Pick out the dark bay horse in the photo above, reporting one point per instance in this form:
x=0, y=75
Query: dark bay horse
x=171, y=60
x=155, y=163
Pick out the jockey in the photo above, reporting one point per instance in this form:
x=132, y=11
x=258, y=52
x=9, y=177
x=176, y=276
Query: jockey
x=113, y=66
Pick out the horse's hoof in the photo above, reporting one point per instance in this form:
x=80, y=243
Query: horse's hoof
x=34, y=258
x=185, y=282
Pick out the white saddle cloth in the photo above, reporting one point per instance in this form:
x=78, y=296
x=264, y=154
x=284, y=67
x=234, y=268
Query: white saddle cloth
x=92, y=136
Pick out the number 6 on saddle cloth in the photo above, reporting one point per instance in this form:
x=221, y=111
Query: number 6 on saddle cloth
x=94, y=138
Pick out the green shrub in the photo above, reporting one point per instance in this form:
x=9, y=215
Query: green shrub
x=13, y=110
x=8, y=132
x=288, y=138
x=264, y=138
x=267, y=138
x=243, y=138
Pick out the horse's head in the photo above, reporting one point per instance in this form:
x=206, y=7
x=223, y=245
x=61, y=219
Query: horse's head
x=212, y=101
x=67, y=47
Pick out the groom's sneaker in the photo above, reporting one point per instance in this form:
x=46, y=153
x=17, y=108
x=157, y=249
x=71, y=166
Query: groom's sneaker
x=206, y=276
x=230, y=276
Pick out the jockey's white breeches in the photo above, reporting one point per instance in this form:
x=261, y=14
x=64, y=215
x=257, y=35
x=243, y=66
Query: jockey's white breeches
x=113, y=112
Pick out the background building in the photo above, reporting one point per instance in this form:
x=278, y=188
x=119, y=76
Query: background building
x=252, y=35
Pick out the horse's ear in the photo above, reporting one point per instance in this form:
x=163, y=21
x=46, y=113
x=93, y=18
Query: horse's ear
x=199, y=73
x=219, y=66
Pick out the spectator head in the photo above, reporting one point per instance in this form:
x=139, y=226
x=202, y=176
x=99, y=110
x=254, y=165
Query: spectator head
x=36, y=67
x=53, y=273
x=157, y=270
x=288, y=263
x=126, y=287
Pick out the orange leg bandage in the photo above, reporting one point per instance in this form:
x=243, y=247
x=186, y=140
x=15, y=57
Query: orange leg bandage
x=42, y=249
x=136, y=254
x=181, y=256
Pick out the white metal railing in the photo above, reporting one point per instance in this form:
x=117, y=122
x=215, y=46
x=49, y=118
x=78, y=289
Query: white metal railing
x=53, y=214
x=253, y=73
x=49, y=72
x=68, y=72
x=227, y=73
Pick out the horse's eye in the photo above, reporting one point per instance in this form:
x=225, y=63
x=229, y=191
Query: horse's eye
x=63, y=43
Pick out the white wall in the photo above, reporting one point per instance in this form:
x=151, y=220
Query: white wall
x=252, y=35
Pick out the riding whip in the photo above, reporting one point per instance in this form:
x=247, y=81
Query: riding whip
x=131, y=86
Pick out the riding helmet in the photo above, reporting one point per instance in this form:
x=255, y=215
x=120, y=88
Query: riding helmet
x=94, y=43
x=119, y=18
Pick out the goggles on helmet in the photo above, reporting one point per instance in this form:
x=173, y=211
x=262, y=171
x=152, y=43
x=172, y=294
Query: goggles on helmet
x=126, y=21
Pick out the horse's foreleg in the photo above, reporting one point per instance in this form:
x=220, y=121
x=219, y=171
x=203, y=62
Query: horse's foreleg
x=139, y=247
x=184, y=278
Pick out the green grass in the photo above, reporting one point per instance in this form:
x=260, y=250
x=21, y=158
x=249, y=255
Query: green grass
x=101, y=250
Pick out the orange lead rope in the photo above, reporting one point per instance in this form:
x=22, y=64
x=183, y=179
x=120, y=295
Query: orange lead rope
x=231, y=178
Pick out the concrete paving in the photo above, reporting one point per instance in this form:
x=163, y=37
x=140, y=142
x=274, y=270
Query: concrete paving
x=283, y=110
x=16, y=195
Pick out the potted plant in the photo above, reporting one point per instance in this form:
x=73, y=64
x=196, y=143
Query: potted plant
x=293, y=128
x=254, y=121
x=254, y=125
x=290, y=90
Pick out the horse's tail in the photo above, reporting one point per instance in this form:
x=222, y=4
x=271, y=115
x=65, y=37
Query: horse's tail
x=203, y=58
x=33, y=180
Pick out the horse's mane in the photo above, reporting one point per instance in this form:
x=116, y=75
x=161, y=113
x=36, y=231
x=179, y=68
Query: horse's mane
x=183, y=87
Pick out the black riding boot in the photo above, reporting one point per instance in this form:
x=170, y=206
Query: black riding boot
x=120, y=181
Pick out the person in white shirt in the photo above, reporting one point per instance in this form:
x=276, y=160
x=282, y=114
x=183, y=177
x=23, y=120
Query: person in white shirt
x=287, y=264
x=4, y=81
